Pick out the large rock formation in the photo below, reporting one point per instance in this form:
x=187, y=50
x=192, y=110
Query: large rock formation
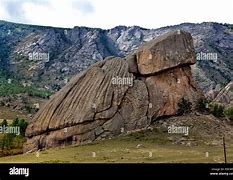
x=117, y=95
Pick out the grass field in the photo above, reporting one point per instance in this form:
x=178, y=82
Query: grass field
x=8, y=114
x=157, y=148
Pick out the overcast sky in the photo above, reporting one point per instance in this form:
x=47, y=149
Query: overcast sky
x=111, y=13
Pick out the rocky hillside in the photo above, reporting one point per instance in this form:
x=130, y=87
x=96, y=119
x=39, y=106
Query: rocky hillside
x=119, y=95
x=48, y=57
x=225, y=96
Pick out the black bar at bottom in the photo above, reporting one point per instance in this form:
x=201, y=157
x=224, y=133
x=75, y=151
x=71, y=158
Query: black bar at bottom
x=112, y=171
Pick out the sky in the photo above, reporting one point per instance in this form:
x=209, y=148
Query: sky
x=107, y=14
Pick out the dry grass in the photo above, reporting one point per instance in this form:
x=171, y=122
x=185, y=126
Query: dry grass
x=158, y=148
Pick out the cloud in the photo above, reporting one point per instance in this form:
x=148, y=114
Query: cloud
x=15, y=9
x=109, y=13
x=85, y=7
x=62, y=13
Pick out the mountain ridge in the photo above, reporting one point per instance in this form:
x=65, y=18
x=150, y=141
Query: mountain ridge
x=72, y=50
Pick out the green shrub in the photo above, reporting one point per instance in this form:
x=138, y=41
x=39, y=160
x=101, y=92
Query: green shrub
x=228, y=112
x=217, y=110
x=201, y=105
x=4, y=123
x=184, y=107
x=12, y=141
x=7, y=141
x=18, y=142
x=15, y=122
x=30, y=109
x=22, y=125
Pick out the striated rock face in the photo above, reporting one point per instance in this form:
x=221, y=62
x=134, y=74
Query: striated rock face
x=225, y=96
x=118, y=95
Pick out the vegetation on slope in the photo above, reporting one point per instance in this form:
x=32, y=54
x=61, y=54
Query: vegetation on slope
x=14, y=87
x=10, y=143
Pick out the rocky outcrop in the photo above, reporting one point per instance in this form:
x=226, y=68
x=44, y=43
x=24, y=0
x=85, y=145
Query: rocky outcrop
x=118, y=95
x=225, y=96
x=161, y=54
